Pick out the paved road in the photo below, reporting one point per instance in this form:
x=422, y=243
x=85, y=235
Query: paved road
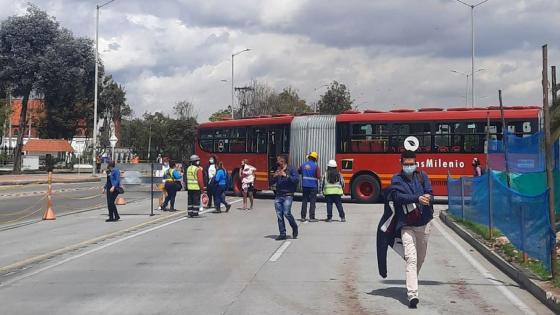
x=27, y=203
x=230, y=264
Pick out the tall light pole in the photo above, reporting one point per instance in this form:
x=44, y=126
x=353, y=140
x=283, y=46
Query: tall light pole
x=232, y=78
x=467, y=88
x=472, y=6
x=95, y=88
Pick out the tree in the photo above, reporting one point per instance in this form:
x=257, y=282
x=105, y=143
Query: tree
x=336, y=100
x=261, y=99
x=112, y=99
x=24, y=43
x=219, y=115
x=288, y=102
x=184, y=110
x=67, y=84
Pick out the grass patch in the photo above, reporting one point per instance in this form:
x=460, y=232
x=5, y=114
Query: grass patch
x=509, y=250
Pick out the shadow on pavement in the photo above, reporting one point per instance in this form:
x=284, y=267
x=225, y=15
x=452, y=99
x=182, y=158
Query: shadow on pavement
x=397, y=293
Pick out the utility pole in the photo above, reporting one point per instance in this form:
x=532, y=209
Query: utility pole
x=548, y=155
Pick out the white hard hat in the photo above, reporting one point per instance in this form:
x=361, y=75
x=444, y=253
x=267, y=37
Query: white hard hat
x=194, y=157
x=332, y=163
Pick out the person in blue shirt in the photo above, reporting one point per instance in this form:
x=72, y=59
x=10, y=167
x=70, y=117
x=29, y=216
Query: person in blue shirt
x=412, y=197
x=286, y=179
x=112, y=190
x=172, y=178
x=220, y=180
x=311, y=174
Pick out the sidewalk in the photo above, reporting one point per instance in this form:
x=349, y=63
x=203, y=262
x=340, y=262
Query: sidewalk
x=26, y=179
x=38, y=242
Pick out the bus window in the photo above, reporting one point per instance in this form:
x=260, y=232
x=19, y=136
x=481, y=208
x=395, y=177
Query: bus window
x=475, y=137
x=206, y=142
x=422, y=131
x=343, y=137
x=368, y=137
x=238, y=140
x=286, y=140
x=442, y=141
x=259, y=141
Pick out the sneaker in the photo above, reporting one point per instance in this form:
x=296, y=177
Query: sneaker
x=302, y=219
x=328, y=220
x=413, y=303
x=159, y=208
x=295, y=234
x=228, y=207
x=313, y=220
x=280, y=237
x=343, y=220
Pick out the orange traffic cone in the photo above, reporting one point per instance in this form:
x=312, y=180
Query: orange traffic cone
x=120, y=201
x=49, y=214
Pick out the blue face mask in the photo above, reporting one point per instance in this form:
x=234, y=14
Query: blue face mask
x=409, y=169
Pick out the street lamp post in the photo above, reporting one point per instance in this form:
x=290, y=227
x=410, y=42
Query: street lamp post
x=94, y=135
x=472, y=6
x=467, y=88
x=113, y=140
x=232, y=77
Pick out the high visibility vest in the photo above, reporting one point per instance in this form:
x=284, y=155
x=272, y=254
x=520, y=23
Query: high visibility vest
x=168, y=176
x=309, y=174
x=192, y=178
x=332, y=189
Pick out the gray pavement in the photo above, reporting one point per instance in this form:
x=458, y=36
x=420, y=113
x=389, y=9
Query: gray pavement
x=230, y=264
x=24, y=204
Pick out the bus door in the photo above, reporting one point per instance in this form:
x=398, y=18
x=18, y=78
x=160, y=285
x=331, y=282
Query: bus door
x=274, y=149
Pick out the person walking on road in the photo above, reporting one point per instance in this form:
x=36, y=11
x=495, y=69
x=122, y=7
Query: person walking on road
x=411, y=196
x=112, y=187
x=172, y=178
x=209, y=173
x=164, y=170
x=333, y=189
x=220, y=181
x=286, y=179
x=311, y=174
x=195, y=184
x=247, y=182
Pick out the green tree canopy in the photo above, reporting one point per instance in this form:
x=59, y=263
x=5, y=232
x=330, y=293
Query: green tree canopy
x=336, y=100
x=219, y=115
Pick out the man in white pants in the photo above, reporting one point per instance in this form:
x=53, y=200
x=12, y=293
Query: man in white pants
x=412, y=195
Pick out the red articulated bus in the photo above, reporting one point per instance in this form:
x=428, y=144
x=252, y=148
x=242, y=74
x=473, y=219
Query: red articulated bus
x=366, y=145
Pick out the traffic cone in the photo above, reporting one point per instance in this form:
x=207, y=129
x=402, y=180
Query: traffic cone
x=120, y=201
x=49, y=214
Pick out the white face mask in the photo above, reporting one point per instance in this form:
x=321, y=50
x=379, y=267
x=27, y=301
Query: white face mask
x=211, y=161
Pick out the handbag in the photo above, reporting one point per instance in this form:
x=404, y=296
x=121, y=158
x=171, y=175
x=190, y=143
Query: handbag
x=120, y=190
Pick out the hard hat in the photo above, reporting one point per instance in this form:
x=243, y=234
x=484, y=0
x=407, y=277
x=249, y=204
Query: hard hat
x=314, y=155
x=194, y=157
x=332, y=163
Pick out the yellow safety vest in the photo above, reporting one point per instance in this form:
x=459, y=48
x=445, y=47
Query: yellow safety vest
x=169, y=176
x=192, y=178
x=332, y=189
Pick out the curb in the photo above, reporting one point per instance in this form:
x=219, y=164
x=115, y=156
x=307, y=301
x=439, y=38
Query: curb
x=55, y=181
x=536, y=288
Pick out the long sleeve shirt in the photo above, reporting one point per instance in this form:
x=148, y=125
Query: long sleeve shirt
x=286, y=184
x=113, y=179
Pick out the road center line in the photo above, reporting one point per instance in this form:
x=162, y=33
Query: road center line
x=96, y=249
x=500, y=286
x=280, y=251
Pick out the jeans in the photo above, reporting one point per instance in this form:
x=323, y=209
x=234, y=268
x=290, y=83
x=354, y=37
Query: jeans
x=309, y=194
x=415, y=243
x=220, y=196
x=111, y=198
x=283, y=206
x=337, y=200
x=171, y=189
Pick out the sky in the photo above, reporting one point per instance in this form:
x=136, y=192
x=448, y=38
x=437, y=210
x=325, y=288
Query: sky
x=391, y=54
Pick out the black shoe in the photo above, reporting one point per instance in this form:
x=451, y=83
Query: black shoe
x=413, y=302
x=228, y=207
x=302, y=219
x=110, y=220
x=328, y=220
x=281, y=237
x=117, y=218
x=190, y=214
x=172, y=210
x=295, y=233
x=217, y=211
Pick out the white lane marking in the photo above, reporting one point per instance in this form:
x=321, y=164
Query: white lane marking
x=280, y=251
x=93, y=250
x=500, y=286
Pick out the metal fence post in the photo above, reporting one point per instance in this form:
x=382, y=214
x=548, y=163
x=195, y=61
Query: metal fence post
x=462, y=200
x=152, y=188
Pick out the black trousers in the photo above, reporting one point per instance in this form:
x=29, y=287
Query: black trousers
x=309, y=194
x=171, y=189
x=111, y=198
x=211, y=189
x=193, y=203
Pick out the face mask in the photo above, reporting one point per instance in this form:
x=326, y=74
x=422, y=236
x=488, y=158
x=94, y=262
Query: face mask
x=409, y=169
x=211, y=161
x=197, y=163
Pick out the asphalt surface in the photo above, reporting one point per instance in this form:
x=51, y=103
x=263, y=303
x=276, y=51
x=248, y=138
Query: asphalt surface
x=24, y=204
x=229, y=263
